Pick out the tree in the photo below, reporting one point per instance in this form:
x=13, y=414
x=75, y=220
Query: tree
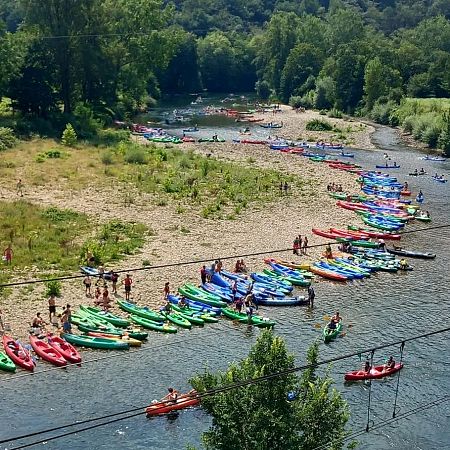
x=260, y=415
x=69, y=136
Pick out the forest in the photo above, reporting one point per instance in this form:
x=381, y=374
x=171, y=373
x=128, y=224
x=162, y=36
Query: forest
x=98, y=60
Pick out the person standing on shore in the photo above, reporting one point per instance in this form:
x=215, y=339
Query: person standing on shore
x=300, y=242
x=114, y=279
x=295, y=246
x=166, y=290
x=305, y=245
x=87, y=285
x=8, y=254
x=127, y=282
x=51, y=307
x=203, y=274
x=19, y=187
x=2, y=325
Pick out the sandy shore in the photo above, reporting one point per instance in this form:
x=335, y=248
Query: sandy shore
x=271, y=227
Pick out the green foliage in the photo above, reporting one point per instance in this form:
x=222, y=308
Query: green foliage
x=384, y=113
x=135, y=155
x=7, y=138
x=69, y=136
x=263, y=90
x=319, y=125
x=334, y=112
x=52, y=288
x=259, y=415
x=107, y=157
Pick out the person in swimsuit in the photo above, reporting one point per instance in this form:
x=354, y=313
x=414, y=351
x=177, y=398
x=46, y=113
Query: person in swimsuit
x=87, y=284
x=8, y=254
x=127, y=284
x=51, y=307
x=98, y=294
x=305, y=245
x=105, y=298
x=203, y=274
x=390, y=363
x=166, y=290
x=19, y=188
x=114, y=279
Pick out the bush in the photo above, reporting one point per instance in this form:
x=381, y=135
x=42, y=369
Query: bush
x=430, y=135
x=7, y=138
x=107, y=158
x=85, y=122
x=334, y=112
x=295, y=101
x=262, y=90
x=384, y=113
x=52, y=288
x=69, y=136
x=319, y=125
x=135, y=155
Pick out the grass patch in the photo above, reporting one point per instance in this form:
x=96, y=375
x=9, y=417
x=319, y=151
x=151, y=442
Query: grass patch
x=319, y=125
x=49, y=238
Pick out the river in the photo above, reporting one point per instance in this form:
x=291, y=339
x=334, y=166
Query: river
x=381, y=309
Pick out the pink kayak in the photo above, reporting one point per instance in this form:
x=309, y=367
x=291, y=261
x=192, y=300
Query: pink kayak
x=374, y=373
x=68, y=351
x=46, y=352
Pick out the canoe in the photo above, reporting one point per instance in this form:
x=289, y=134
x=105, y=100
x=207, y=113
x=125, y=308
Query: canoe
x=67, y=351
x=439, y=180
x=152, y=325
x=160, y=408
x=19, y=355
x=197, y=307
x=190, y=314
x=105, y=315
x=329, y=335
x=242, y=317
x=292, y=264
x=141, y=311
x=94, y=272
x=203, y=297
x=130, y=341
x=330, y=275
x=379, y=166
x=132, y=332
x=375, y=234
x=359, y=243
x=6, y=363
x=375, y=373
x=412, y=253
x=423, y=218
x=286, y=301
x=46, y=352
x=179, y=320
x=95, y=342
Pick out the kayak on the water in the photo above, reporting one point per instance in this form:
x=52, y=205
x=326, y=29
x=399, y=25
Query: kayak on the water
x=173, y=401
x=333, y=328
x=373, y=373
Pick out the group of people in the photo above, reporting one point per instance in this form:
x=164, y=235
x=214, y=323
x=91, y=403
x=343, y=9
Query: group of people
x=102, y=297
x=388, y=365
x=300, y=245
x=61, y=321
x=333, y=187
x=419, y=172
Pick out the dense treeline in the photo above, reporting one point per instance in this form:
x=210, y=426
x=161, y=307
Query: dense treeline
x=104, y=58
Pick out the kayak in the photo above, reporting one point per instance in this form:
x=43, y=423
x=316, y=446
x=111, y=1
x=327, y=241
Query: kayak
x=191, y=314
x=19, y=355
x=197, y=307
x=411, y=253
x=130, y=341
x=47, y=352
x=375, y=373
x=95, y=342
x=152, y=325
x=359, y=243
x=374, y=234
x=94, y=272
x=160, y=408
x=68, y=352
x=330, y=275
x=105, y=315
x=244, y=318
x=179, y=320
x=133, y=333
x=286, y=301
x=141, y=311
x=201, y=296
x=6, y=363
x=329, y=335
x=291, y=264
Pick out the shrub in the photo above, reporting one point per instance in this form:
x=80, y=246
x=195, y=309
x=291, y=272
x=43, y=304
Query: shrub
x=295, y=101
x=85, y=122
x=69, y=136
x=383, y=113
x=7, y=138
x=430, y=135
x=52, y=288
x=319, y=125
x=135, y=155
x=107, y=158
x=263, y=90
x=334, y=112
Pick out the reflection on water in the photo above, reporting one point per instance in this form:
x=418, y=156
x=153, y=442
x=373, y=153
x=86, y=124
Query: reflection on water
x=381, y=309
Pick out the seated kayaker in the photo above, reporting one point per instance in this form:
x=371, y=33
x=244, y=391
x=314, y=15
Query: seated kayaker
x=167, y=307
x=172, y=396
x=390, y=363
x=336, y=318
x=403, y=263
x=331, y=325
x=367, y=366
x=328, y=252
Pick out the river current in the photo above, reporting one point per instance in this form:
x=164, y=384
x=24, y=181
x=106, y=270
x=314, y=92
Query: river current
x=384, y=308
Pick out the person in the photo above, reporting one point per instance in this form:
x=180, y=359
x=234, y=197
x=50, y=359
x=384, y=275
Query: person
x=390, y=363
x=166, y=290
x=65, y=319
x=127, y=282
x=328, y=252
x=182, y=303
x=311, y=296
x=87, y=285
x=405, y=186
x=219, y=266
x=215, y=137
x=403, y=264
x=367, y=366
x=395, y=164
x=238, y=304
x=19, y=187
x=98, y=294
x=234, y=289
x=415, y=172
x=386, y=156
x=8, y=254
x=167, y=307
x=300, y=242
x=105, y=297
x=38, y=322
x=286, y=187
x=203, y=274
x=172, y=396
x=281, y=187
x=114, y=279
x=243, y=266
x=213, y=267
x=427, y=214
x=305, y=244
x=332, y=325
x=422, y=171
x=2, y=325
x=382, y=245
x=249, y=310
x=237, y=267
x=336, y=318
x=295, y=246
x=51, y=307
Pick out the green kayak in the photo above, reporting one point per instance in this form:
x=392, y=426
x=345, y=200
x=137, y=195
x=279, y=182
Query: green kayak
x=358, y=243
x=152, y=325
x=201, y=297
x=211, y=140
x=423, y=218
x=6, y=363
x=201, y=292
x=83, y=318
x=133, y=333
x=206, y=317
x=329, y=335
x=242, y=317
x=293, y=280
x=105, y=315
x=178, y=319
x=95, y=342
x=144, y=312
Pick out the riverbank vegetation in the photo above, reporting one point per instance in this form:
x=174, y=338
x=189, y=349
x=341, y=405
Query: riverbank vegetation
x=289, y=411
x=61, y=66
x=59, y=239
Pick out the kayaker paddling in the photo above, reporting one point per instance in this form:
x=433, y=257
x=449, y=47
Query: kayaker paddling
x=172, y=396
x=367, y=366
x=390, y=363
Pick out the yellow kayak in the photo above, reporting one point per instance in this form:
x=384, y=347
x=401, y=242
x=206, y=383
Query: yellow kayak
x=130, y=341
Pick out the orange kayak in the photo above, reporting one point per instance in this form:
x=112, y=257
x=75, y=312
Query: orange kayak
x=160, y=408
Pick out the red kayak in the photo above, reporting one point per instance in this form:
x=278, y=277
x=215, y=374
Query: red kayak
x=20, y=355
x=375, y=373
x=352, y=206
x=326, y=234
x=46, y=352
x=160, y=408
x=350, y=234
x=378, y=235
x=68, y=351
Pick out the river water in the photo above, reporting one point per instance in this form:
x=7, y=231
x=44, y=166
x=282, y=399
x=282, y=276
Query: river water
x=381, y=309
